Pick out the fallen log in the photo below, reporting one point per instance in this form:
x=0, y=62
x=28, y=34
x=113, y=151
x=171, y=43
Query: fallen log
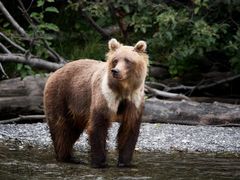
x=191, y=113
x=21, y=97
x=24, y=119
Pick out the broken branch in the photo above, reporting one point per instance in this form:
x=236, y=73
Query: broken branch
x=191, y=88
x=92, y=22
x=119, y=18
x=5, y=49
x=34, y=118
x=14, y=23
x=23, y=33
x=156, y=92
x=32, y=61
x=53, y=54
x=12, y=43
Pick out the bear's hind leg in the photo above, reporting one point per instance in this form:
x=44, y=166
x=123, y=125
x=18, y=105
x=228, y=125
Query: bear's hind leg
x=64, y=135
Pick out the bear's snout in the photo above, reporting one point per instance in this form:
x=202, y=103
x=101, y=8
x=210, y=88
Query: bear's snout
x=115, y=73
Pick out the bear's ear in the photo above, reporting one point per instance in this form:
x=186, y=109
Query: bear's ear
x=141, y=46
x=113, y=44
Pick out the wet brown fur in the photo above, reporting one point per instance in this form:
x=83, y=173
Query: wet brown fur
x=73, y=102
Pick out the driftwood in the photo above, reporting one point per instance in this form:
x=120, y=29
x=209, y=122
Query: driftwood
x=21, y=100
x=21, y=97
x=156, y=92
x=24, y=119
x=191, y=113
x=198, y=87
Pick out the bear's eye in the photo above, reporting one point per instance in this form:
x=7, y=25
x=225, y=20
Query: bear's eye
x=114, y=62
x=127, y=61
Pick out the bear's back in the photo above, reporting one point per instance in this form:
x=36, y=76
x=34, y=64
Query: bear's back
x=75, y=74
x=69, y=88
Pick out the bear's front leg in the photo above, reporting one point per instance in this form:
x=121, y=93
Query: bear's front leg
x=97, y=136
x=127, y=139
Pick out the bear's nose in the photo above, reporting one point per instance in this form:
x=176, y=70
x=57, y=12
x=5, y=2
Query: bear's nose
x=115, y=72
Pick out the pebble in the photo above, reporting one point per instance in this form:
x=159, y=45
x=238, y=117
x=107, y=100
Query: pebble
x=153, y=137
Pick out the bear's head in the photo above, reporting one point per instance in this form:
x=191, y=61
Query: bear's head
x=127, y=64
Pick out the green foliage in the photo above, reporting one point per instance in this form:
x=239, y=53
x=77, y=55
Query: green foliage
x=78, y=39
x=40, y=29
x=233, y=49
x=178, y=34
x=73, y=48
x=24, y=70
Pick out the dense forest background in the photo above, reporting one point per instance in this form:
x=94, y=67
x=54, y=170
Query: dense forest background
x=194, y=45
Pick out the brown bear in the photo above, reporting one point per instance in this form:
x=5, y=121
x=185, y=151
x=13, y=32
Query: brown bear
x=89, y=94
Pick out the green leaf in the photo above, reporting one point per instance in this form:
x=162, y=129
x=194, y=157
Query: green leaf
x=40, y=3
x=52, y=9
x=50, y=0
x=33, y=14
x=36, y=15
x=19, y=67
x=6, y=24
x=52, y=27
x=126, y=8
x=169, y=35
x=196, y=10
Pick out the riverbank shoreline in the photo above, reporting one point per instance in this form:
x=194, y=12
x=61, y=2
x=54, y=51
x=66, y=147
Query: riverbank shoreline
x=153, y=138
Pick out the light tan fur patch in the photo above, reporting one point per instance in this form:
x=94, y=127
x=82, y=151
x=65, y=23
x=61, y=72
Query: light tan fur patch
x=113, y=99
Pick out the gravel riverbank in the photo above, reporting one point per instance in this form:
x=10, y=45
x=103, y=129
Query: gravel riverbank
x=153, y=137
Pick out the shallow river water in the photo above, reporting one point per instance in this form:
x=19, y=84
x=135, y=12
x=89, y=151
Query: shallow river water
x=163, y=152
x=17, y=162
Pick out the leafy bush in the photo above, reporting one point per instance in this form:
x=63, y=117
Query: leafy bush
x=39, y=30
x=179, y=34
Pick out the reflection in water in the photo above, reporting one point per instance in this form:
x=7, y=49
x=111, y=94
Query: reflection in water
x=18, y=162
